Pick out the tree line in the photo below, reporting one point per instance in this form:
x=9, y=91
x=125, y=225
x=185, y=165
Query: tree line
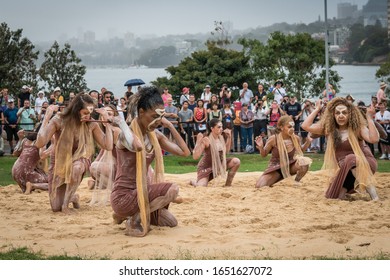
x=61, y=66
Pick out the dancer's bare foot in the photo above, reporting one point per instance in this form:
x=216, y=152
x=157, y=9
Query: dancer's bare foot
x=118, y=219
x=342, y=194
x=133, y=227
x=66, y=210
x=178, y=200
x=28, y=188
x=76, y=201
x=193, y=183
x=372, y=192
x=91, y=184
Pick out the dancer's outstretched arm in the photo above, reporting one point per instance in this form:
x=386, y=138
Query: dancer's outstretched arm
x=370, y=133
x=309, y=125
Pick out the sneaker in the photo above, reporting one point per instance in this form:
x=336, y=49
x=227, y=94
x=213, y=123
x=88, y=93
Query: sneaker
x=383, y=156
x=388, y=157
x=1, y=153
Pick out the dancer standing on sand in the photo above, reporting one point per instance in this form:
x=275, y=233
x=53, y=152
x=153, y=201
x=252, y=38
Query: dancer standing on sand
x=286, y=154
x=214, y=163
x=348, y=159
x=27, y=171
x=135, y=197
x=74, y=147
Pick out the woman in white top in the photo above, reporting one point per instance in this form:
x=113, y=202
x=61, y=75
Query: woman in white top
x=383, y=117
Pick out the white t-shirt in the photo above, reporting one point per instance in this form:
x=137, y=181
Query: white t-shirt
x=279, y=93
x=38, y=104
x=247, y=96
x=385, y=117
x=206, y=98
x=120, y=112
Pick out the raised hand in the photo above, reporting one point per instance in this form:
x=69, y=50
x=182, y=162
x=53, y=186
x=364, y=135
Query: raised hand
x=259, y=141
x=165, y=123
x=199, y=137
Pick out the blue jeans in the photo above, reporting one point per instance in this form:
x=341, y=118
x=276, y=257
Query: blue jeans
x=247, y=136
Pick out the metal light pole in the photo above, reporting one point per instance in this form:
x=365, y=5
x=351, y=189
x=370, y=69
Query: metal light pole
x=326, y=48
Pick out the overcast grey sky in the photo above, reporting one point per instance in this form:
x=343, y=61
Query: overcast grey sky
x=49, y=19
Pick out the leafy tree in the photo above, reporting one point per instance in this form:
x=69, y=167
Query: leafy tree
x=62, y=68
x=298, y=60
x=367, y=42
x=160, y=57
x=383, y=73
x=214, y=66
x=17, y=60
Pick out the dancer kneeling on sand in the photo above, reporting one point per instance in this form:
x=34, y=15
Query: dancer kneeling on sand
x=103, y=168
x=74, y=147
x=214, y=163
x=286, y=154
x=27, y=170
x=135, y=197
x=348, y=159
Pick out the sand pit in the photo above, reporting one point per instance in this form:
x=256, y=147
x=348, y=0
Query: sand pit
x=283, y=222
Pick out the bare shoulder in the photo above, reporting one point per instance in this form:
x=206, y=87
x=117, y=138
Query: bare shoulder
x=271, y=139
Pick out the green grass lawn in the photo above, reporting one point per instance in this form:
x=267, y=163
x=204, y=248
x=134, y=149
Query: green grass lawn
x=180, y=165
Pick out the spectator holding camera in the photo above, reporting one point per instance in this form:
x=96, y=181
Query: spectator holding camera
x=42, y=112
x=260, y=93
x=260, y=118
x=246, y=95
x=26, y=116
x=225, y=95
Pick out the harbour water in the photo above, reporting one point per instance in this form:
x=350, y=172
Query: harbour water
x=359, y=81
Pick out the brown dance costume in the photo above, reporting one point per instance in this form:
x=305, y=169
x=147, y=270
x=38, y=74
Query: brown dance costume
x=124, y=202
x=274, y=163
x=346, y=160
x=205, y=169
x=25, y=168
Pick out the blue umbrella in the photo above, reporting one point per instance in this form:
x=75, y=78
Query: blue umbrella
x=134, y=82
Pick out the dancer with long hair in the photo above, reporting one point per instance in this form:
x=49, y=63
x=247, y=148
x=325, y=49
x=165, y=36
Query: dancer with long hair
x=103, y=168
x=74, y=148
x=348, y=160
x=286, y=154
x=214, y=163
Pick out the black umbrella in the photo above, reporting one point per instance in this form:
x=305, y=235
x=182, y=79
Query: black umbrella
x=134, y=82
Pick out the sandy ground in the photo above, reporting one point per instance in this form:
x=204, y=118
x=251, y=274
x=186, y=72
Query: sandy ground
x=283, y=222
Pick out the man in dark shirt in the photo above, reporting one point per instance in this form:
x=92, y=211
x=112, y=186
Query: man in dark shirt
x=11, y=124
x=260, y=93
x=191, y=102
x=24, y=95
x=294, y=109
